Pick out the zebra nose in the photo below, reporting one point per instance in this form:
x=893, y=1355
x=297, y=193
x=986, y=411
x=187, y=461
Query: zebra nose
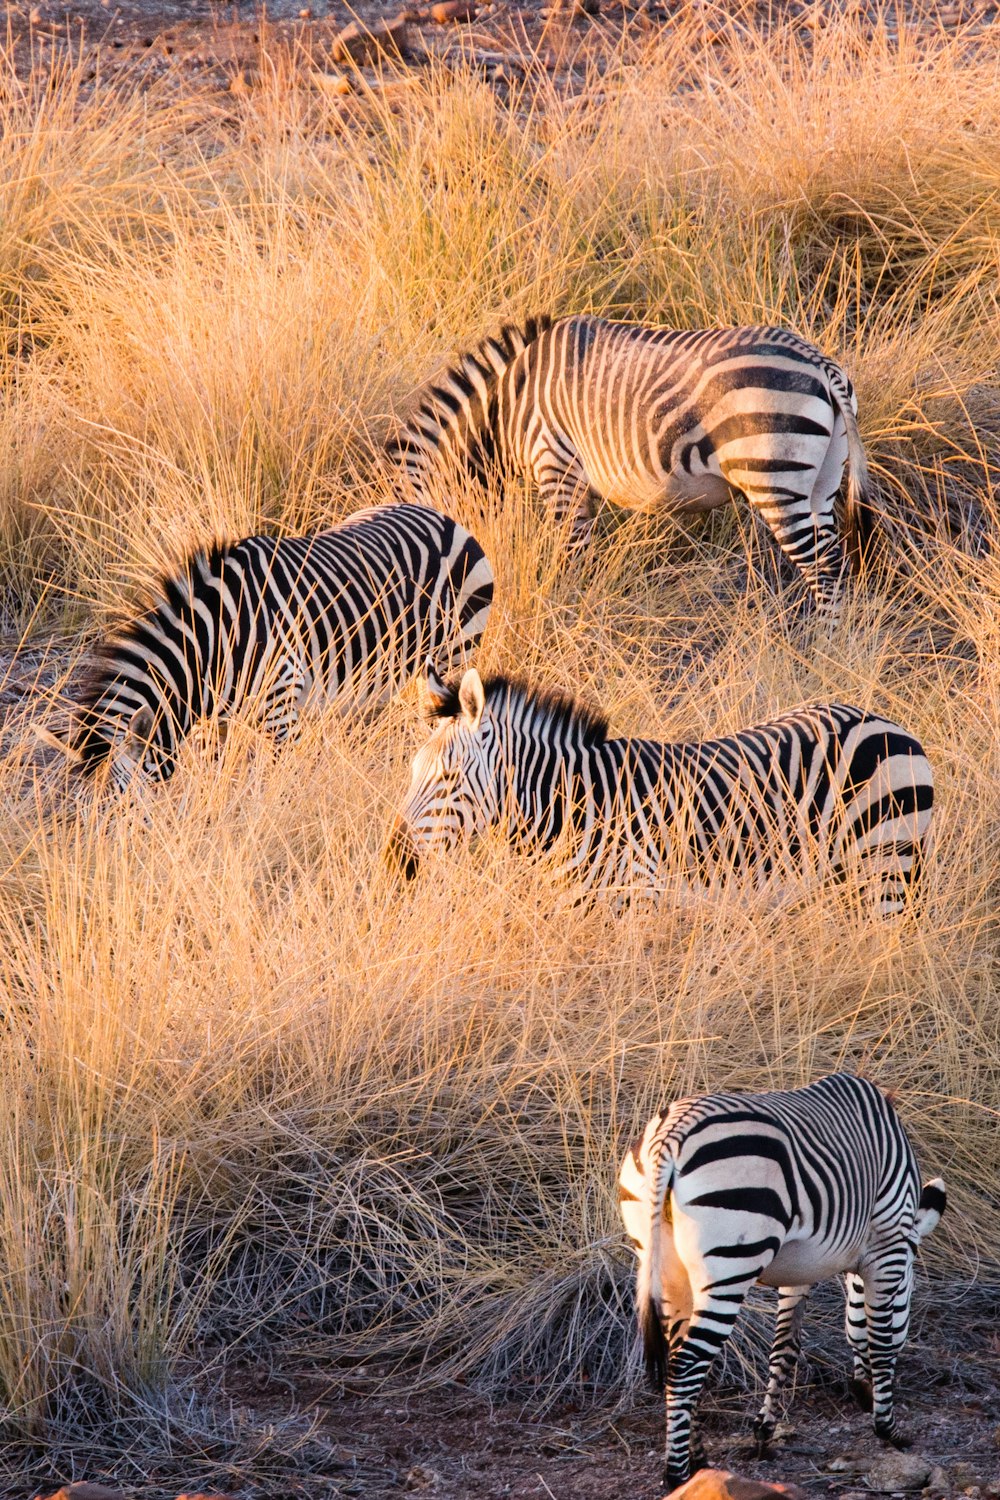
x=400, y=854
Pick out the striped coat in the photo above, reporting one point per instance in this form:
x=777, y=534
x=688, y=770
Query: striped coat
x=828, y=790
x=655, y=418
x=785, y=1188
x=344, y=616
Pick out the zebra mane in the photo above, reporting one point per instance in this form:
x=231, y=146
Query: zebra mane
x=464, y=378
x=560, y=710
x=173, y=591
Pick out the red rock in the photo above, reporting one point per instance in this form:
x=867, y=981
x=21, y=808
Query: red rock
x=453, y=10
x=720, y=1484
x=361, y=44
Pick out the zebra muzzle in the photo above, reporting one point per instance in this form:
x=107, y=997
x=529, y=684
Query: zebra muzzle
x=400, y=853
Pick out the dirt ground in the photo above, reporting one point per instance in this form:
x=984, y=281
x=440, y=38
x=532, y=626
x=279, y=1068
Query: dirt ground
x=455, y=1445
x=213, y=43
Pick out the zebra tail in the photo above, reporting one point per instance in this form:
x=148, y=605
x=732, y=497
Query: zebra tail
x=860, y=515
x=933, y=1200
x=648, y=1282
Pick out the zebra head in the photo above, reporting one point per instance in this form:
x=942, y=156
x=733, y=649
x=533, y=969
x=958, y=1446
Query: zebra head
x=455, y=777
x=135, y=743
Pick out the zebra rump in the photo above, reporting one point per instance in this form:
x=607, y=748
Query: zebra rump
x=787, y=1189
x=828, y=790
x=344, y=615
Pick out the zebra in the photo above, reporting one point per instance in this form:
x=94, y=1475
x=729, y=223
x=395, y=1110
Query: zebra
x=826, y=789
x=652, y=418
x=787, y=1189
x=343, y=615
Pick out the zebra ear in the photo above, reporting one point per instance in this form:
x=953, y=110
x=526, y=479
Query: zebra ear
x=472, y=698
x=140, y=729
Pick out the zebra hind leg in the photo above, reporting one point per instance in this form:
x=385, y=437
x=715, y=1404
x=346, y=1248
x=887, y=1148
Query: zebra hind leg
x=784, y=1356
x=856, y=1328
x=692, y=1352
x=887, y=1312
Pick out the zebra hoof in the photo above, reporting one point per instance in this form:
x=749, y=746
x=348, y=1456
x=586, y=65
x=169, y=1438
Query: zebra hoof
x=763, y=1431
x=894, y=1438
x=861, y=1390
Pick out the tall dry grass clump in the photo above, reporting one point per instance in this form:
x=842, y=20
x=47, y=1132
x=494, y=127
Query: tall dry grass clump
x=252, y=1092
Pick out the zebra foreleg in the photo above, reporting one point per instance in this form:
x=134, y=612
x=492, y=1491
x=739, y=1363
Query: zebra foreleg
x=784, y=1356
x=564, y=491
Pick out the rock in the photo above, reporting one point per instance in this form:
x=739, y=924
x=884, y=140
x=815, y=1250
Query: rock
x=938, y=1481
x=35, y=16
x=453, y=10
x=896, y=1472
x=361, y=44
x=847, y=1463
x=720, y=1484
x=964, y=1474
x=84, y=1491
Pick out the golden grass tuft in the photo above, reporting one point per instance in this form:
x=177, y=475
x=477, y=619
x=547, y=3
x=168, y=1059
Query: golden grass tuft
x=249, y=1090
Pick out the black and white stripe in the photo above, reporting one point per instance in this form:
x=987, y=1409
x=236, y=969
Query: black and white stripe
x=786, y=1189
x=653, y=418
x=828, y=790
x=345, y=615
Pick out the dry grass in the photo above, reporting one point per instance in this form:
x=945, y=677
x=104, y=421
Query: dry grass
x=251, y=1093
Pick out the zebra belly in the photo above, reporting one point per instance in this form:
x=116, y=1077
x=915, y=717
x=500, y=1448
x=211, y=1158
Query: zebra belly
x=802, y=1262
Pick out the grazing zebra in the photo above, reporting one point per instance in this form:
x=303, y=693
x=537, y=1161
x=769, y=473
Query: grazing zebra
x=787, y=1189
x=827, y=789
x=656, y=417
x=346, y=614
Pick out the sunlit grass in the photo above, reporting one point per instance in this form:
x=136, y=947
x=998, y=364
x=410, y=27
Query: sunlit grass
x=249, y=1088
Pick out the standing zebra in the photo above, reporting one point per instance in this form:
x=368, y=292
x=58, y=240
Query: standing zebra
x=656, y=417
x=825, y=790
x=787, y=1189
x=346, y=615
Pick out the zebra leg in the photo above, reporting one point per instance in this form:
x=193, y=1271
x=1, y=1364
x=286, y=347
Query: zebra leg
x=564, y=489
x=282, y=702
x=784, y=1354
x=808, y=537
x=887, y=1312
x=856, y=1328
x=708, y=1329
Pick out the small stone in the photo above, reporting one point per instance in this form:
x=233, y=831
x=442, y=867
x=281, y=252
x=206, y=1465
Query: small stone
x=421, y=1478
x=453, y=10
x=244, y=82
x=35, y=16
x=894, y=1473
x=362, y=44
x=332, y=83
x=938, y=1481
